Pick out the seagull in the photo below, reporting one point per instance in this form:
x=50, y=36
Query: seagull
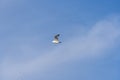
x=56, y=40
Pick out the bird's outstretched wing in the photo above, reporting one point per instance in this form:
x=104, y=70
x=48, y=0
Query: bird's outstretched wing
x=56, y=36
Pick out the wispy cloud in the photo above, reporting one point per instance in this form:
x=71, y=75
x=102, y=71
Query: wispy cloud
x=102, y=36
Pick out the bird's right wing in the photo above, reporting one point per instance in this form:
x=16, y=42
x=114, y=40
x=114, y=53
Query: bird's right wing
x=56, y=36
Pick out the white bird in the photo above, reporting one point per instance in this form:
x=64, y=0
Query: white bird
x=56, y=40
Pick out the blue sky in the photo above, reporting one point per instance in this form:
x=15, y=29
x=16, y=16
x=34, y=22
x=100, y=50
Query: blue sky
x=90, y=35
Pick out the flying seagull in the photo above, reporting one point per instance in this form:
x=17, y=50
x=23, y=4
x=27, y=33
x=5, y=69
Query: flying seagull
x=56, y=40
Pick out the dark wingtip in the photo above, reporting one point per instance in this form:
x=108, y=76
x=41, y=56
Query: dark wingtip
x=58, y=34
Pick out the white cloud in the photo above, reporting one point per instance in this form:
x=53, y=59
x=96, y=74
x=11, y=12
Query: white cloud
x=101, y=37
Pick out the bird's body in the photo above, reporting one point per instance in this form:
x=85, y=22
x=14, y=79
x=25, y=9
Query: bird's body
x=56, y=40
